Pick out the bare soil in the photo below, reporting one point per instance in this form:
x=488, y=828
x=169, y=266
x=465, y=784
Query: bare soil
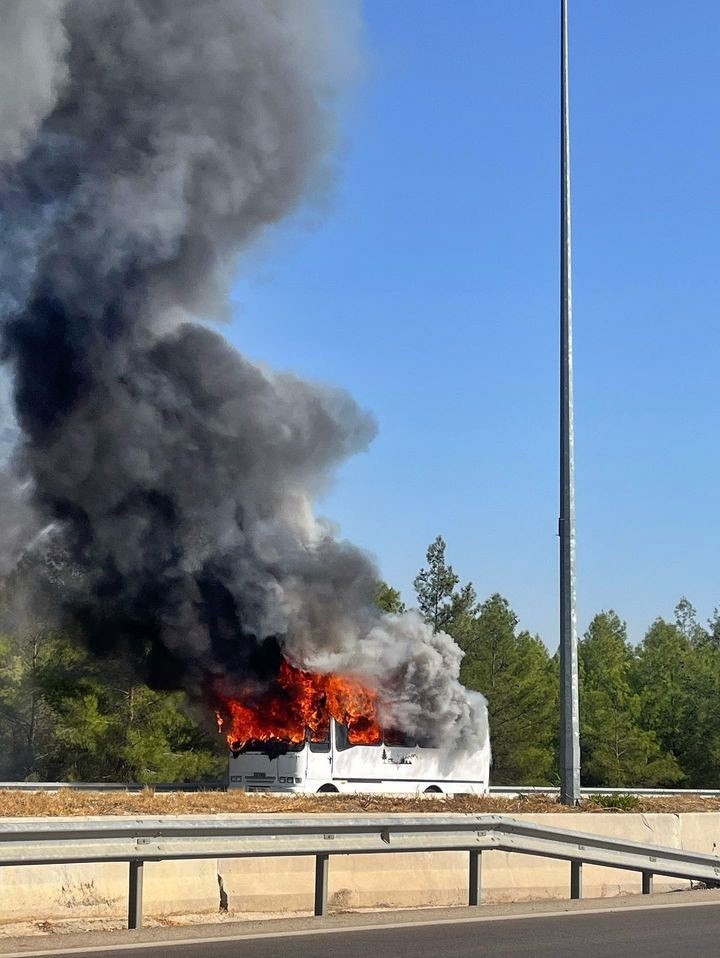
x=67, y=802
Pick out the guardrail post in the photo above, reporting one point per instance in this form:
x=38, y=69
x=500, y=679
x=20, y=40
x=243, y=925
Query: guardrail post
x=575, y=880
x=475, y=884
x=135, y=895
x=647, y=883
x=321, y=884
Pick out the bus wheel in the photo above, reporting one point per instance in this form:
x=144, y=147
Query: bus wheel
x=433, y=790
x=327, y=788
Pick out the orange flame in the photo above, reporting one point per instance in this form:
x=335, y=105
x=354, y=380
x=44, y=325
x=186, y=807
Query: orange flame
x=298, y=704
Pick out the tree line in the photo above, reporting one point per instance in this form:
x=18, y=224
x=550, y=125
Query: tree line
x=649, y=713
x=68, y=715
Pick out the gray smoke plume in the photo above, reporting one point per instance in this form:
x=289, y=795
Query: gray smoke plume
x=32, y=69
x=153, y=140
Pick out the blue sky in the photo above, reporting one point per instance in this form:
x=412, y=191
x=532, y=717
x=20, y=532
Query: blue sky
x=428, y=288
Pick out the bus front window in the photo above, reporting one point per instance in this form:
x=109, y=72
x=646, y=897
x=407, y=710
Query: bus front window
x=271, y=748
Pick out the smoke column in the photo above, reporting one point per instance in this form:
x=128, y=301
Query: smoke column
x=143, y=144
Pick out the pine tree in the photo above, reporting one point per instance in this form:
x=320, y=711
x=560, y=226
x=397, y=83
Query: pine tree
x=388, y=600
x=516, y=674
x=435, y=587
x=616, y=750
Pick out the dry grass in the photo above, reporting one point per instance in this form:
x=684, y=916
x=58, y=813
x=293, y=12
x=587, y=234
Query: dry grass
x=67, y=802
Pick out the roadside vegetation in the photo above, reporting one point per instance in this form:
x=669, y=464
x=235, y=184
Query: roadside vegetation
x=68, y=802
x=649, y=712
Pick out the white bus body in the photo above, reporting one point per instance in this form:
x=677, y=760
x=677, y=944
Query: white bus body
x=336, y=766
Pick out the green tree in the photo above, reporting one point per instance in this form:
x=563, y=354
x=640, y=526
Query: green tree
x=615, y=749
x=679, y=685
x=713, y=635
x=26, y=718
x=686, y=621
x=165, y=744
x=67, y=715
x=663, y=678
x=701, y=748
x=387, y=599
x=441, y=604
x=461, y=612
x=517, y=676
x=435, y=587
x=109, y=726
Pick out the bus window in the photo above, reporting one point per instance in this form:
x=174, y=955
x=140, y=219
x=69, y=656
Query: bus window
x=341, y=737
x=345, y=737
x=394, y=736
x=323, y=745
x=365, y=736
x=271, y=747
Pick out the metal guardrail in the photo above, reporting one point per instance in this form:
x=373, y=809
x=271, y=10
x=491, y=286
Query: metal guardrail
x=498, y=791
x=113, y=786
x=136, y=841
x=501, y=791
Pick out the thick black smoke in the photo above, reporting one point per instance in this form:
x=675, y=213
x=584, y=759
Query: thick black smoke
x=144, y=144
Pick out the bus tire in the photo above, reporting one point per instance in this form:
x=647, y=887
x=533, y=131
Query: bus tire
x=433, y=790
x=327, y=788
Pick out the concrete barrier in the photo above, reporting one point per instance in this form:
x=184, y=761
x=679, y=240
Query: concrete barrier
x=400, y=880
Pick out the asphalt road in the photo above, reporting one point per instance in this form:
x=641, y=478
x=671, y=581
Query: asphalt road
x=677, y=932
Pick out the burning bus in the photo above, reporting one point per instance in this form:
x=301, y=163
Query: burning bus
x=322, y=733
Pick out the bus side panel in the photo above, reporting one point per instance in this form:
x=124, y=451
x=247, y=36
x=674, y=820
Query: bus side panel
x=406, y=770
x=358, y=763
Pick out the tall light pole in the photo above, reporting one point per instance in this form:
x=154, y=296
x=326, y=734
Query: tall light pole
x=569, y=699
